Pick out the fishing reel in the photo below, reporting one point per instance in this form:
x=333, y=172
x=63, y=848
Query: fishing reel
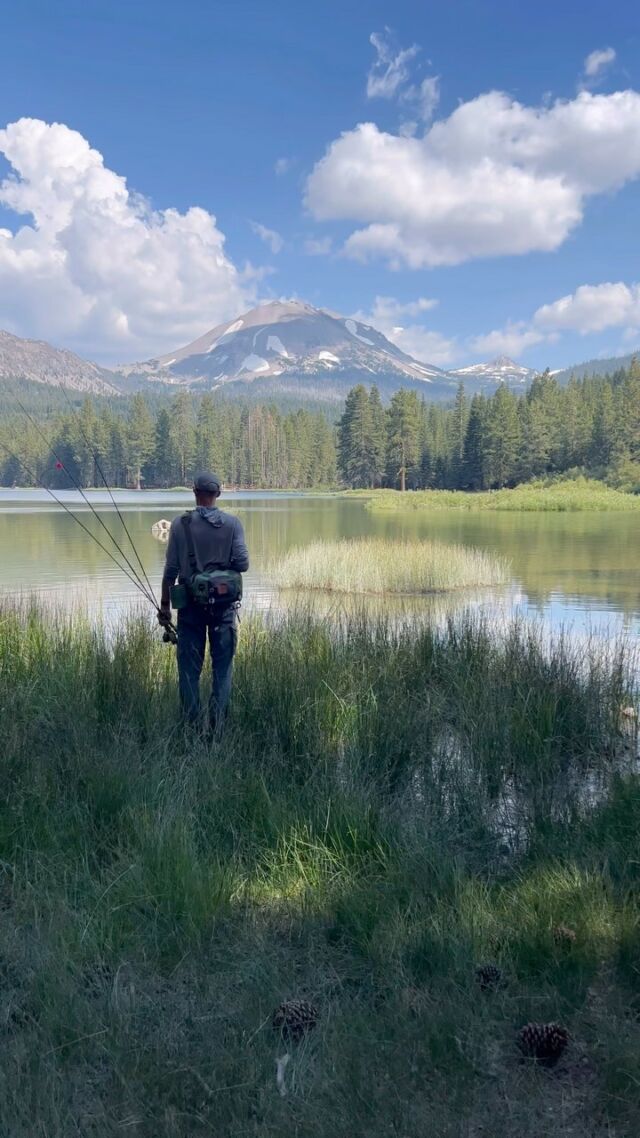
x=169, y=634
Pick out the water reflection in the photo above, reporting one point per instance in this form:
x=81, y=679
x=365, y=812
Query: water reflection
x=579, y=570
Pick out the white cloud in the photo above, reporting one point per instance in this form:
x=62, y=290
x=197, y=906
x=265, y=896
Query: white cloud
x=425, y=96
x=94, y=266
x=512, y=340
x=390, y=69
x=590, y=309
x=597, y=60
x=414, y=339
x=424, y=345
x=270, y=237
x=389, y=309
x=318, y=246
x=391, y=77
x=496, y=177
x=284, y=165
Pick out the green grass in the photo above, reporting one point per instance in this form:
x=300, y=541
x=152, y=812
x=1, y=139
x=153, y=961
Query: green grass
x=579, y=494
x=390, y=805
x=375, y=565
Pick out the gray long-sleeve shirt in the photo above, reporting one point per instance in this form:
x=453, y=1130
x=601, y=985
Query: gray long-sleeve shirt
x=219, y=544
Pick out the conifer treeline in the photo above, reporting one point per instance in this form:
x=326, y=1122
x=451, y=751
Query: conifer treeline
x=477, y=444
x=491, y=442
x=246, y=446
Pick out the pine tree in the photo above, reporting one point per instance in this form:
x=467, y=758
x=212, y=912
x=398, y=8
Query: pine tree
x=63, y=464
x=403, y=439
x=86, y=442
x=575, y=425
x=601, y=446
x=356, y=448
x=139, y=438
x=541, y=445
x=378, y=437
x=102, y=445
x=630, y=411
x=459, y=422
x=205, y=449
x=503, y=438
x=474, y=457
x=183, y=434
x=324, y=452
x=163, y=465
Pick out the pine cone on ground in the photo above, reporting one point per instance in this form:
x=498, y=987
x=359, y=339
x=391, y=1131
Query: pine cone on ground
x=562, y=934
x=543, y=1041
x=293, y=1019
x=489, y=977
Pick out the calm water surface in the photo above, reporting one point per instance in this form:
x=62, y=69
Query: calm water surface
x=576, y=570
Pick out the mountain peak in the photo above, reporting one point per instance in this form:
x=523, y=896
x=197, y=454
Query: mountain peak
x=503, y=361
x=500, y=370
x=288, y=346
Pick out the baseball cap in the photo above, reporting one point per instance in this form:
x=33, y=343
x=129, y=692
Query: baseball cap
x=207, y=482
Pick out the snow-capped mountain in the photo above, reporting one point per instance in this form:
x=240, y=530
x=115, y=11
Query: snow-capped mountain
x=288, y=347
x=42, y=363
x=490, y=375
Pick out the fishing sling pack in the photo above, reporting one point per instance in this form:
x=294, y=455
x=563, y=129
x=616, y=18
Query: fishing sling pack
x=214, y=589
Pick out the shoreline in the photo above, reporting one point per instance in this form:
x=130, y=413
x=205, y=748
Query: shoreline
x=574, y=496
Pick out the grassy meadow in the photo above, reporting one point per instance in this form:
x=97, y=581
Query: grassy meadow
x=544, y=495
x=391, y=805
x=375, y=565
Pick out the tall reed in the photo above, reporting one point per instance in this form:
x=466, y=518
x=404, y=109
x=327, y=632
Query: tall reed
x=376, y=565
x=391, y=804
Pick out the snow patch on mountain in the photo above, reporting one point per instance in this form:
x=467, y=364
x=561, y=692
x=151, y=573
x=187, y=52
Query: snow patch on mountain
x=329, y=357
x=274, y=344
x=500, y=370
x=254, y=363
x=352, y=327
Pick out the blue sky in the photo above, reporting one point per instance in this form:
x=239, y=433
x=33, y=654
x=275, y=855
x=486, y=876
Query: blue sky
x=209, y=155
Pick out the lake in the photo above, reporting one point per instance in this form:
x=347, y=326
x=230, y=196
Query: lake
x=580, y=571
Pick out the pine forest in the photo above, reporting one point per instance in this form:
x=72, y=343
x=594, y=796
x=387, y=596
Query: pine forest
x=484, y=442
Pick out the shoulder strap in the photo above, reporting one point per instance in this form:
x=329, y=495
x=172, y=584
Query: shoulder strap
x=193, y=561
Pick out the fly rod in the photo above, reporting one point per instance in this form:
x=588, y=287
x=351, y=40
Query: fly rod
x=101, y=472
x=147, y=592
x=170, y=635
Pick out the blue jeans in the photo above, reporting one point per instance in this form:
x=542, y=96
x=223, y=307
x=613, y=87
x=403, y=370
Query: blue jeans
x=194, y=623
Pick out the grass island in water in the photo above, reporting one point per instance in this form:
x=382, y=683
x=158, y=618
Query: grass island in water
x=376, y=565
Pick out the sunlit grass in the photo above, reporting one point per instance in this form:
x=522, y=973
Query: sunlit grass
x=391, y=805
x=374, y=565
x=543, y=495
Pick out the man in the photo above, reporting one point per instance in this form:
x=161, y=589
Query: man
x=208, y=540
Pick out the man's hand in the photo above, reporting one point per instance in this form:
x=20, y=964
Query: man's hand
x=164, y=615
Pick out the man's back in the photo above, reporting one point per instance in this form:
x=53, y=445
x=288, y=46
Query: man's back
x=218, y=540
